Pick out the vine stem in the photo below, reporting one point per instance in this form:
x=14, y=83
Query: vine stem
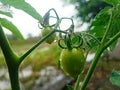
x=91, y=69
x=96, y=58
x=78, y=82
x=107, y=28
x=93, y=38
x=112, y=40
x=37, y=44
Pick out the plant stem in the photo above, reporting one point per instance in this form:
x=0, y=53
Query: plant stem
x=115, y=37
x=14, y=77
x=78, y=82
x=101, y=48
x=37, y=44
x=92, y=67
x=93, y=38
x=107, y=29
x=96, y=58
x=11, y=60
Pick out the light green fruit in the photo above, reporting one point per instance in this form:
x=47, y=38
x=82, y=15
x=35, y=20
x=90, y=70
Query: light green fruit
x=72, y=61
x=47, y=30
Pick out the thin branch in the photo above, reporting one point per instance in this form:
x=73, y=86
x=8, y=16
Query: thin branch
x=37, y=44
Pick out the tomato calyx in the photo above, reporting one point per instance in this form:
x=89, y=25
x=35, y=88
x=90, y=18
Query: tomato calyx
x=70, y=41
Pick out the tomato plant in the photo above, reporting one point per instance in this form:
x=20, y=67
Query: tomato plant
x=103, y=33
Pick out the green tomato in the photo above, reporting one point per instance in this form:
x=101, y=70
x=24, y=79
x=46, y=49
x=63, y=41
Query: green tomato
x=72, y=61
x=47, y=30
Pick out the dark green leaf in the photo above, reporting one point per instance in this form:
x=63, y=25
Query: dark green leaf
x=98, y=26
x=100, y=23
x=115, y=78
x=10, y=26
x=22, y=5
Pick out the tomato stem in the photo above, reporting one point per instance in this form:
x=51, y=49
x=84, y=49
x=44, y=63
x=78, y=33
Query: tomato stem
x=100, y=50
x=37, y=44
x=11, y=60
x=78, y=81
x=92, y=67
x=93, y=37
x=107, y=28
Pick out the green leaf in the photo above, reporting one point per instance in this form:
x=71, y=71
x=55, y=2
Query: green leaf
x=115, y=78
x=112, y=2
x=6, y=13
x=100, y=23
x=22, y=5
x=69, y=87
x=9, y=25
x=98, y=26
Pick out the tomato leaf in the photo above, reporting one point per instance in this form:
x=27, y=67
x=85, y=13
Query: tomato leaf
x=115, y=78
x=9, y=25
x=97, y=27
x=6, y=13
x=22, y=5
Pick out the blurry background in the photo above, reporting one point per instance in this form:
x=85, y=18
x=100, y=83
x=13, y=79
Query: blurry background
x=39, y=71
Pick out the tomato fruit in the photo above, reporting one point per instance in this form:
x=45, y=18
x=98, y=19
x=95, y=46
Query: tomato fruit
x=72, y=61
x=47, y=30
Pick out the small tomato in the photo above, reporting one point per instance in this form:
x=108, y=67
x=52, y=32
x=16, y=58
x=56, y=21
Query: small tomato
x=72, y=61
x=47, y=30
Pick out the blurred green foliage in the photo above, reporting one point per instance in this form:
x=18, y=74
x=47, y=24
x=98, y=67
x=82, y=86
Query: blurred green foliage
x=87, y=9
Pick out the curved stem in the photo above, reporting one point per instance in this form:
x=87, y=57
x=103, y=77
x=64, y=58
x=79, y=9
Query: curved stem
x=5, y=46
x=54, y=12
x=11, y=60
x=107, y=29
x=93, y=38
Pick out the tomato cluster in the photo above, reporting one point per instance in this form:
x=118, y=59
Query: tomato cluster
x=72, y=59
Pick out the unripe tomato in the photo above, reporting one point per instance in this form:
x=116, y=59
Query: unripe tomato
x=47, y=30
x=72, y=61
